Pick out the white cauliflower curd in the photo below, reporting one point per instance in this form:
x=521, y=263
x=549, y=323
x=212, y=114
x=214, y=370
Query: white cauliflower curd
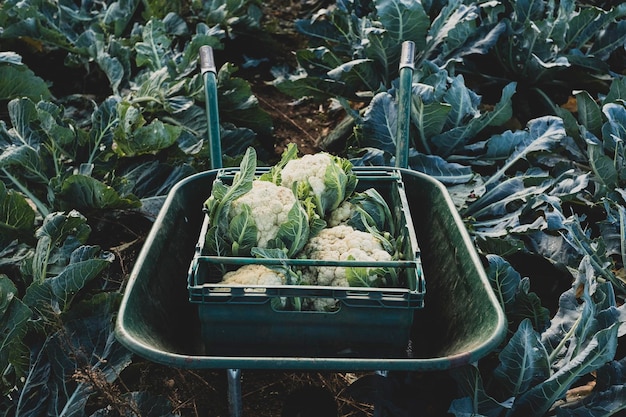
x=341, y=214
x=311, y=168
x=253, y=274
x=340, y=243
x=270, y=205
x=329, y=179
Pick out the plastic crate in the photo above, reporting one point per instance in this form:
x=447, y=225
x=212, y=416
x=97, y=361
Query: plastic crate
x=236, y=319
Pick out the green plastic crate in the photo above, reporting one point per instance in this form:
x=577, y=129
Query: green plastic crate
x=236, y=319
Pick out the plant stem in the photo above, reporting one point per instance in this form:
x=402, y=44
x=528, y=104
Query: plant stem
x=96, y=146
x=547, y=99
x=567, y=336
x=43, y=210
x=145, y=99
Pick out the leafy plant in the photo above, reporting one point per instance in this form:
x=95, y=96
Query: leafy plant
x=551, y=48
x=447, y=121
x=536, y=368
x=19, y=80
x=356, y=45
x=98, y=154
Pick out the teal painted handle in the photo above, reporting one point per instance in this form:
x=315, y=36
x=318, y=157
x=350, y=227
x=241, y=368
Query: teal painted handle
x=209, y=76
x=404, y=104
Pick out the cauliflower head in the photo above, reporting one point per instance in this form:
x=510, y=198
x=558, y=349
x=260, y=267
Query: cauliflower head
x=341, y=215
x=341, y=243
x=270, y=205
x=329, y=178
x=252, y=212
x=253, y=274
x=311, y=168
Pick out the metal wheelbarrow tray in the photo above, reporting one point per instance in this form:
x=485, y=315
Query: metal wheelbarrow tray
x=460, y=322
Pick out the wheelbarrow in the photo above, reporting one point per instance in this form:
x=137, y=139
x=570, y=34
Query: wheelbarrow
x=460, y=322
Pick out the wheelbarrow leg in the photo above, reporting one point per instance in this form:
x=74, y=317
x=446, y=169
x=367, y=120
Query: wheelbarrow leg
x=378, y=409
x=235, y=404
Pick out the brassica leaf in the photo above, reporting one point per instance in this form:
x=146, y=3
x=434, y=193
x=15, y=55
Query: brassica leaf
x=339, y=183
x=17, y=80
x=217, y=206
x=14, y=323
x=242, y=232
x=371, y=210
x=16, y=216
x=294, y=233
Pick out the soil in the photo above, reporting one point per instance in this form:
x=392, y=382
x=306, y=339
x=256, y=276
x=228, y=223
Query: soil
x=295, y=119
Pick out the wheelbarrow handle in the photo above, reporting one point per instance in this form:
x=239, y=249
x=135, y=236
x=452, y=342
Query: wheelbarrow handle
x=209, y=77
x=407, y=66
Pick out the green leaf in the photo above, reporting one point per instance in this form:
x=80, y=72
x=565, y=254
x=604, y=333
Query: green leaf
x=404, y=20
x=339, y=183
x=613, y=230
x=242, y=232
x=475, y=401
x=74, y=277
x=495, y=200
x=608, y=40
x=449, y=173
x=542, y=135
x=273, y=175
x=238, y=104
x=23, y=114
x=513, y=292
x=465, y=120
x=59, y=133
x=358, y=75
x=59, y=235
x=10, y=58
x=17, y=217
x=154, y=47
x=294, y=233
x=222, y=195
x=358, y=277
x=25, y=162
x=58, y=226
x=148, y=139
x=523, y=362
x=380, y=123
x=18, y=81
x=14, y=317
x=617, y=90
x=528, y=10
x=454, y=28
x=83, y=193
x=539, y=399
x=371, y=210
x=504, y=280
x=464, y=102
x=57, y=292
x=428, y=118
x=467, y=39
x=602, y=165
x=589, y=113
x=83, y=344
x=119, y=14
